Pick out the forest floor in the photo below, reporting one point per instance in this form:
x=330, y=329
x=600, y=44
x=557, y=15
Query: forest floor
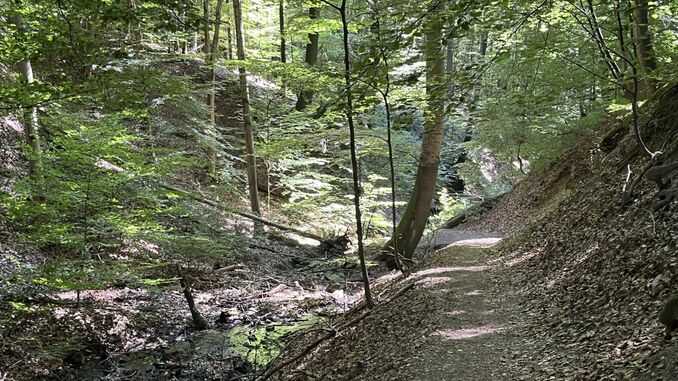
x=454, y=324
x=135, y=329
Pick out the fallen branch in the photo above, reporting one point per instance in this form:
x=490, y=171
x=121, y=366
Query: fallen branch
x=252, y=217
x=230, y=268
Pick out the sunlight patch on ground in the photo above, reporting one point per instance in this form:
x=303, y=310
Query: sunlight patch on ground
x=283, y=293
x=455, y=313
x=467, y=333
x=442, y=270
x=393, y=275
x=476, y=242
x=107, y=295
x=428, y=282
x=303, y=240
x=474, y=293
x=518, y=258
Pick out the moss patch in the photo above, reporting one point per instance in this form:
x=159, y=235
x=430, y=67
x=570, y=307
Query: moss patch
x=262, y=344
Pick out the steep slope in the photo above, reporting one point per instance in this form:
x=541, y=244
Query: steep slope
x=593, y=270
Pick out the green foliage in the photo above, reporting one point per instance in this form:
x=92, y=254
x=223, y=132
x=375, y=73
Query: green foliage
x=95, y=176
x=63, y=274
x=449, y=206
x=118, y=114
x=260, y=345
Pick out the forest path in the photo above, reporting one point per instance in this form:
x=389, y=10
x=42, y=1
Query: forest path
x=454, y=324
x=472, y=335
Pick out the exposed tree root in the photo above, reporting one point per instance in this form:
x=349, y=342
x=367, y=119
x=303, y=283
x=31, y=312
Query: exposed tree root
x=660, y=174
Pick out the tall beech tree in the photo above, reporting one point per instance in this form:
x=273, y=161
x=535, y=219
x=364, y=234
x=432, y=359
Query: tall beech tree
x=413, y=222
x=250, y=154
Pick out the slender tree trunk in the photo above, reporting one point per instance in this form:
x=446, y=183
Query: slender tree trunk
x=354, y=156
x=229, y=36
x=214, y=49
x=383, y=58
x=312, y=48
x=211, y=61
x=211, y=50
x=413, y=222
x=644, y=45
x=206, y=27
x=482, y=52
x=184, y=40
x=130, y=12
x=31, y=121
x=597, y=34
x=483, y=43
x=283, y=42
x=247, y=118
x=621, y=36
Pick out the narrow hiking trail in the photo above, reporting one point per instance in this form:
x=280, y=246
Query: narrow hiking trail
x=473, y=333
x=455, y=323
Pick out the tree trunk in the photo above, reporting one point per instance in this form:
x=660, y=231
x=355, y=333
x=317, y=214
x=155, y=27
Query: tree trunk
x=597, y=34
x=644, y=45
x=184, y=39
x=211, y=50
x=416, y=214
x=354, y=157
x=483, y=43
x=230, y=40
x=211, y=61
x=30, y=116
x=206, y=26
x=306, y=96
x=283, y=42
x=247, y=118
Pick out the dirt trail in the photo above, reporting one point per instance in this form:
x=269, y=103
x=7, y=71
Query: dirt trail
x=472, y=337
x=455, y=323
